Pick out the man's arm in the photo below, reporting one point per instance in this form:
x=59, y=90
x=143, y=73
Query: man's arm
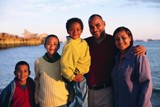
x=139, y=50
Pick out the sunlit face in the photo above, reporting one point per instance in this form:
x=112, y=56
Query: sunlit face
x=122, y=40
x=22, y=74
x=96, y=26
x=51, y=46
x=75, y=30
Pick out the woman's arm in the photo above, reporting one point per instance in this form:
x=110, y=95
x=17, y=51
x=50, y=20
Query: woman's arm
x=145, y=81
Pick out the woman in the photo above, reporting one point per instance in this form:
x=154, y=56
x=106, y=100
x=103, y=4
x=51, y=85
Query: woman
x=131, y=74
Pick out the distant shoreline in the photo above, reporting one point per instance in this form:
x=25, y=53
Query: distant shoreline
x=10, y=41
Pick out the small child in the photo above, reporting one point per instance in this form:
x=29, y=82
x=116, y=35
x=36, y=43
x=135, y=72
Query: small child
x=20, y=91
x=50, y=88
x=75, y=62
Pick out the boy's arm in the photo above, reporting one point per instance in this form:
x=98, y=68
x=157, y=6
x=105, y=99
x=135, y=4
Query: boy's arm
x=5, y=96
x=139, y=50
x=36, y=79
x=67, y=63
x=83, y=65
x=73, y=62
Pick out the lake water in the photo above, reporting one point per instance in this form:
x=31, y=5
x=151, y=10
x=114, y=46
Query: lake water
x=9, y=57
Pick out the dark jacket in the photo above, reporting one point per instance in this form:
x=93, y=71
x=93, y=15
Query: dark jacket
x=7, y=93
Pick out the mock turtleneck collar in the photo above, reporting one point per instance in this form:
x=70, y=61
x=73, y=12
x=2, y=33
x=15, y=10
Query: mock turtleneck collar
x=51, y=60
x=78, y=40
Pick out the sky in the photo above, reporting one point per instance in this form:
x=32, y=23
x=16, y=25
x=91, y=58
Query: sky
x=142, y=17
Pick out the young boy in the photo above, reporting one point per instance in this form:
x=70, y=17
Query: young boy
x=50, y=88
x=75, y=61
x=20, y=91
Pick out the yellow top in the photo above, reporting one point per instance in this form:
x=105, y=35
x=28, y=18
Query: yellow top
x=75, y=58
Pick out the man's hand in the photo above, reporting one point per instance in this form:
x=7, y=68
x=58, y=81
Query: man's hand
x=78, y=78
x=139, y=50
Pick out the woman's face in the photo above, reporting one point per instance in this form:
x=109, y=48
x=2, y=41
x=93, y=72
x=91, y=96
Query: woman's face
x=51, y=46
x=122, y=40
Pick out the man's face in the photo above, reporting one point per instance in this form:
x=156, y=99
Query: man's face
x=96, y=26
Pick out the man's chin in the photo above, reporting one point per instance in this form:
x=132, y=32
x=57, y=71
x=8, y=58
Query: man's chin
x=96, y=36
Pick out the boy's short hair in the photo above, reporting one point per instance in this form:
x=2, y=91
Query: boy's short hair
x=73, y=20
x=21, y=63
x=51, y=35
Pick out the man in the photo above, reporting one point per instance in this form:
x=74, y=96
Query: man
x=102, y=51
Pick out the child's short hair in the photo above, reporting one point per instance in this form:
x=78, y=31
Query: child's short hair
x=73, y=20
x=51, y=35
x=21, y=63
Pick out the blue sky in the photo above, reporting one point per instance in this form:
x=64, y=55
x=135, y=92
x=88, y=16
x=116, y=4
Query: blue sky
x=142, y=17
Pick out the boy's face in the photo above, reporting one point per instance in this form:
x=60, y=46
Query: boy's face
x=22, y=74
x=75, y=30
x=51, y=46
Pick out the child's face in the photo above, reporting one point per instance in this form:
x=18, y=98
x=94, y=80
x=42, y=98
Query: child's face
x=122, y=40
x=75, y=30
x=22, y=74
x=52, y=45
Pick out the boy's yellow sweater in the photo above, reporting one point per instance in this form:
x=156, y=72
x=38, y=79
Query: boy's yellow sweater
x=75, y=58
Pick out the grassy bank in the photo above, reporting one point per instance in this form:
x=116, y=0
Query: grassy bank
x=9, y=41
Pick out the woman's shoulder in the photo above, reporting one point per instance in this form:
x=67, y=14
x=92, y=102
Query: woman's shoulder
x=140, y=57
x=141, y=60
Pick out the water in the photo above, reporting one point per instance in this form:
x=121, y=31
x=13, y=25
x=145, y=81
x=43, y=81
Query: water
x=9, y=57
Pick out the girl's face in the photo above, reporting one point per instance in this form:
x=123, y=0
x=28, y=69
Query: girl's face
x=122, y=41
x=75, y=30
x=22, y=74
x=51, y=46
